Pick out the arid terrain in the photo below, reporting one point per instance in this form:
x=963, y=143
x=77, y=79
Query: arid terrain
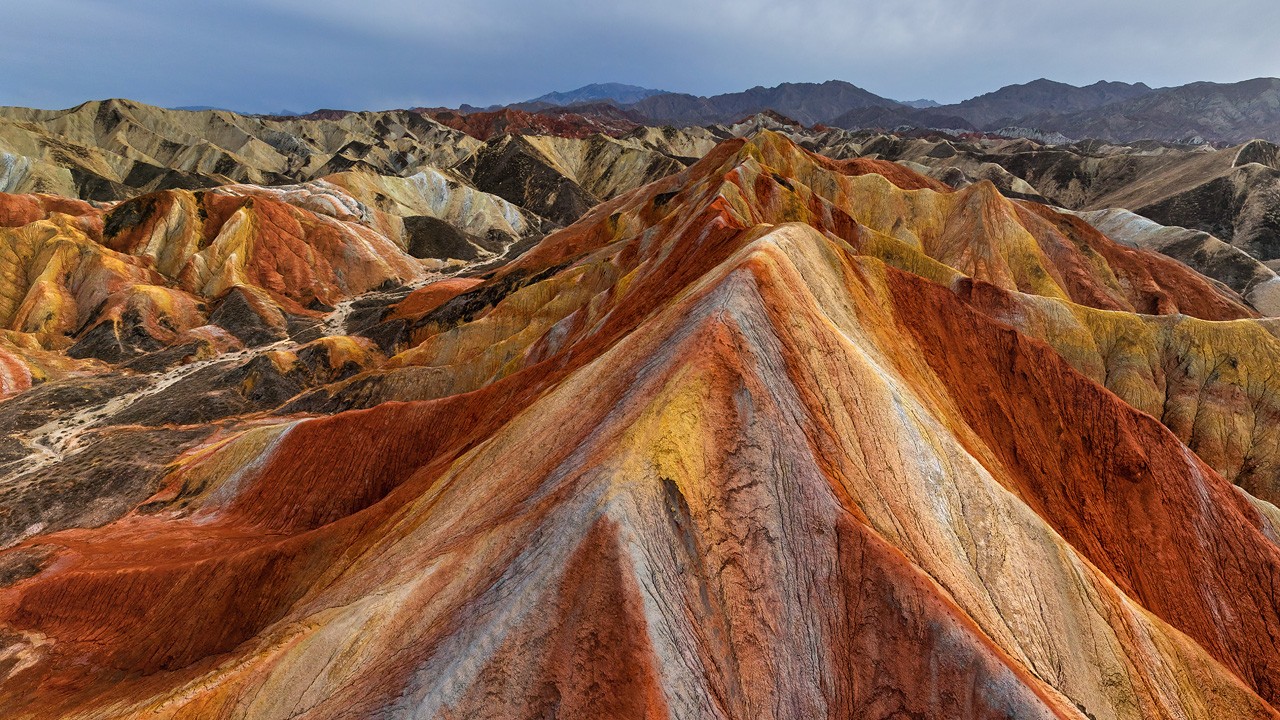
x=664, y=407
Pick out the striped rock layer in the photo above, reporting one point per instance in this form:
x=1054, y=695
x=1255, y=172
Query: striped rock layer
x=773, y=437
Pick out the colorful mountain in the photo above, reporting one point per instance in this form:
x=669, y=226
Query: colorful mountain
x=773, y=435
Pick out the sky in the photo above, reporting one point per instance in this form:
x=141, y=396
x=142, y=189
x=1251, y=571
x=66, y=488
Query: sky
x=301, y=55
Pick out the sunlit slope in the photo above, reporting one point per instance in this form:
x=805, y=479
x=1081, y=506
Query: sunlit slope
x=762, y=439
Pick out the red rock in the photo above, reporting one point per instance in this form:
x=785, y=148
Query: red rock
x=746, y=442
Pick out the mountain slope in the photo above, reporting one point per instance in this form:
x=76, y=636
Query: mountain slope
x=115, y=149
x=772, y=436
x=1216, y=112
x=1010, y=105
x=1112, y=111
x=1208, y=255
x=595, y=92
x=1231, y=194
x=809, y=103
x=1228, y=193
x=578, y=122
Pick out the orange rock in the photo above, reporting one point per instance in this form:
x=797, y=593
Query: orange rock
x=751, y=441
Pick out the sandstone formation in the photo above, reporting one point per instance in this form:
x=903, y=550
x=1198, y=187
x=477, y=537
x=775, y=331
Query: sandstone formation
x=116, y=148
x=1256, y=282
x=561, y=178
x=577, y=122
x=1204, y=111
x=770, y=434
x=1230, y=194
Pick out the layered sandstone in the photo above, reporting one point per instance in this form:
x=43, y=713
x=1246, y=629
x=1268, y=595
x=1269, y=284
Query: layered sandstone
x=773, y=436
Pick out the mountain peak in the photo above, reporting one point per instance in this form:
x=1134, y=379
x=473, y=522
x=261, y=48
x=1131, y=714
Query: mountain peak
x=807, y=102
x=366, y=416
x=595, y=92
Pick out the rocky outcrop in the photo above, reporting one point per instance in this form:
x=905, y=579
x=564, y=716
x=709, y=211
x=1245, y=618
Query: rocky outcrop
x=117, y=148
x=1230, y=193
x=1209, y=256
x=773, y=435
x=579, y=121
x=561, y=178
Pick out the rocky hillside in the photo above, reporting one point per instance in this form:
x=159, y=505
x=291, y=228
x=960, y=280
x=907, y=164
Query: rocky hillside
x=368, y=415
x=1195, y=113
x=809, y=103
x=117, y=149
x=773, y=433
x=1045, y=98
x=578, y=122
x=1215, y=112
x=551, y=166
x=596, y=92
x=1220, y=204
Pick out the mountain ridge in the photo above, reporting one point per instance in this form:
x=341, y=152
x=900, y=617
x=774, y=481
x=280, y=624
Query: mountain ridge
x=1198, y=112
x=596, y=92
x=831, y=418
x=809, y=103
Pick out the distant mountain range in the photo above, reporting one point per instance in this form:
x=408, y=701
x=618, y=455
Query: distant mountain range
x=921, y=103
x=809, y=103
x=597, y=92
x=1046, y=110
x=1009, y=104
x=1113, y=111
x=200, y=108
x=203, y=108
x=1216, y=112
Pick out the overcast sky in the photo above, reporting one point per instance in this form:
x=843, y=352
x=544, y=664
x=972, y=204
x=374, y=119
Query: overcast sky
x=267, y=55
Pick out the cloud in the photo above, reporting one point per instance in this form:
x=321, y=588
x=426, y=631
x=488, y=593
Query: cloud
x=262, y=55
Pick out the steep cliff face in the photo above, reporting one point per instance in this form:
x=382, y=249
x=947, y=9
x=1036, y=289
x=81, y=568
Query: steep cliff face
x=774, y=436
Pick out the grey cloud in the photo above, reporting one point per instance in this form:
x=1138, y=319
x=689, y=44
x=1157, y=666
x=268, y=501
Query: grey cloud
x=271, y=54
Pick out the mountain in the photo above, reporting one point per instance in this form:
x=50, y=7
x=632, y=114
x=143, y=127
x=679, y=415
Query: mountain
x=827, y=438
x=1228, y=193
x=1011, y=104
x=1043, y=109
x=1213, y=112
x=1006, y=106
x=597, y=92
x=365, y=414
x=1210, y=208
x=920, y=104
x=579, y=121
x=1112, y=111
x=114, y=149
x=881, y=117
x=808, y=103
x=117, y=149
x=843, y=105
x=1257, y=283
x=562, y=178
x=200, y=108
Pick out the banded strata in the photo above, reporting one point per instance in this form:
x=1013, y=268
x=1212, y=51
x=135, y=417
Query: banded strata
x=756, y=433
